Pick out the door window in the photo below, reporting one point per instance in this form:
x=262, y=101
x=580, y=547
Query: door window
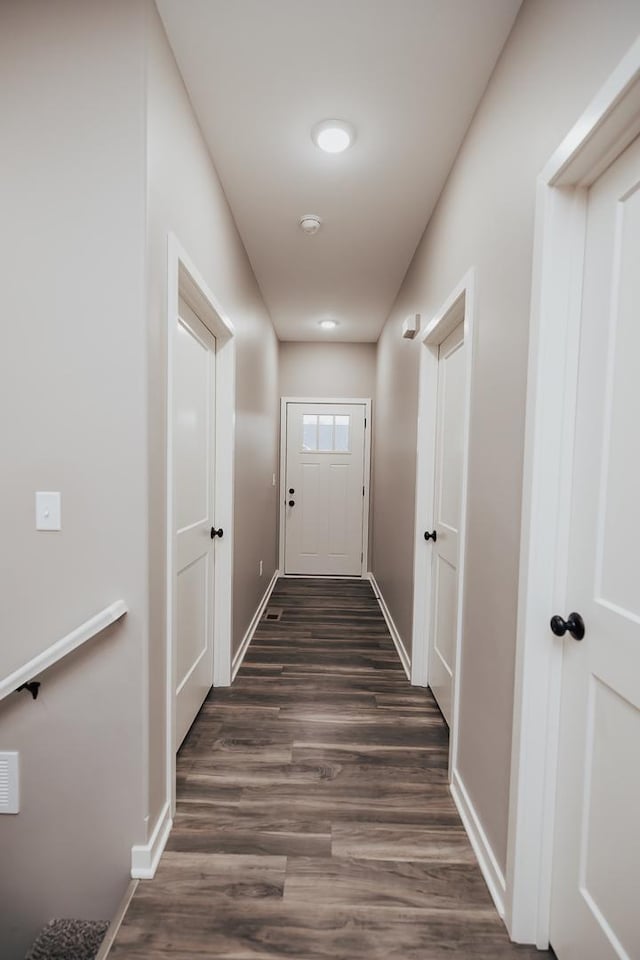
x=326, y=433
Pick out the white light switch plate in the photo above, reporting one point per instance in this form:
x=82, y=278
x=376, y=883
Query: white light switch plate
x=48, y=511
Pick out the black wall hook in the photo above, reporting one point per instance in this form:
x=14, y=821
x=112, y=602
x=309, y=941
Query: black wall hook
x=32, y=686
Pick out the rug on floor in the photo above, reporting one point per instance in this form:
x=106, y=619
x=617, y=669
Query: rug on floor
x=68, y=940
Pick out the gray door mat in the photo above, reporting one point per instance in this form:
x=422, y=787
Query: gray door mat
x=68, y=940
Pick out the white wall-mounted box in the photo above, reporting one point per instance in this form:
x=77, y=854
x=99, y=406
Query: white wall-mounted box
x=411, y=326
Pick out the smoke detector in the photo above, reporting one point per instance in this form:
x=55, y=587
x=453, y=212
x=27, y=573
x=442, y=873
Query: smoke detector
x=310, y=224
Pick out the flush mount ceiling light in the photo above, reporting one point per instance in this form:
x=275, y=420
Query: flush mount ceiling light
x=328, y=324
x=310, y=224
x=333, y=136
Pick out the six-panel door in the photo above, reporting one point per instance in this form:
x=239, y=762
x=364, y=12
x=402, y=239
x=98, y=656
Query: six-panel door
x=324, y=489
x=193, y=472
x=595, y=900
x=445, y=549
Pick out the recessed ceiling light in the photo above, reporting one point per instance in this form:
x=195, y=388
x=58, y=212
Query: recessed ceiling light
x=333, y=136
x=328, y=324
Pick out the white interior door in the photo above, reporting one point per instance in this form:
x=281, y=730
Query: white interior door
x=194, y=352
x=447, y=510
x=324, y=489
x=596, y=891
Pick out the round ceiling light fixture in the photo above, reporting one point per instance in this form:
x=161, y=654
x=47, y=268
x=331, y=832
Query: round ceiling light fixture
x=333, y=136
x=310, y=224
x=328, y=324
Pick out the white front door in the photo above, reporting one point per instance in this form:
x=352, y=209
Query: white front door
x=447, y=508
x=194, y=352
x=323, y=494
x=595, y=911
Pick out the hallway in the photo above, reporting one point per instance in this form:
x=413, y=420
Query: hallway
x=314, y=817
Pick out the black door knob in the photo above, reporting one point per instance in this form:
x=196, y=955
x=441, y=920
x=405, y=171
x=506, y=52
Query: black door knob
x=216, y=533
x=431, y=536
x=292, y=503
x=574, y=624
x=291, y=490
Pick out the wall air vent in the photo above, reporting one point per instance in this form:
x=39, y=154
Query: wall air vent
x=9, y=783
x=273, y=613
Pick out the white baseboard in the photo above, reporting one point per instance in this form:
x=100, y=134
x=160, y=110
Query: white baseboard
x=393, y=630
x=116, y=922
x=145, y=857
x=248, y=637
x=493, y=875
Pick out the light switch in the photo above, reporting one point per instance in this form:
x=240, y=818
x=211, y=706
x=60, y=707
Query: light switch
x=48, y=511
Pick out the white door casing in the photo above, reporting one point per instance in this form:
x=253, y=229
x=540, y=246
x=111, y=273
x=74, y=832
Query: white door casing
x=325, y=464
x=446, y=512
x=594, y=904
x=194, y=355
x=609, y=124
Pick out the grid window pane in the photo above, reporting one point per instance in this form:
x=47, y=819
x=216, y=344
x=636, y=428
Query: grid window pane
x=325, y=432
x=309, y=431
x=341, y=439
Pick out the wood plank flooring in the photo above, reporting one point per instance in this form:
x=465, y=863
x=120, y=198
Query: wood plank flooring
x=314, y=818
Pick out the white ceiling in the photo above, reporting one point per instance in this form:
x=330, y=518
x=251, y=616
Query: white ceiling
x=407, y=73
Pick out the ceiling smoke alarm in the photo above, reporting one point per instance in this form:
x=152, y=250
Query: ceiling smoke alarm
x=310, y=224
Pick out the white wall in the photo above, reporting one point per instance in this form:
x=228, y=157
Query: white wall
x=330, y=370
x=556, y=58
x=327, y=369
x=185, y=198
x=73, y=419
x=104, y=157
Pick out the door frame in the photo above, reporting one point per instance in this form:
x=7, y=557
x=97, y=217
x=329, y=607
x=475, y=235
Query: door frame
x=185, y=280
x=604, y=130
x=362, y=401
x=459, y=307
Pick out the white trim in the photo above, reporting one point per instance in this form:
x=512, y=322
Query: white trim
x=493, y=876
x=393, y=630
x=322, y=576
x=146, y=856
x=184, y=280
x=366, y=401
x=458, y=307
x=248, y=637
x=282, y=481
x=332, y=400
x=61, y=648
x=116, y=921
x=605, y=129
x=366, y=506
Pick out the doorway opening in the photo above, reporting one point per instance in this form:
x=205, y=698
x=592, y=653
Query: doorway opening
x=586, y=224
x=441, y=502
x=200, y=456
x=325, y=455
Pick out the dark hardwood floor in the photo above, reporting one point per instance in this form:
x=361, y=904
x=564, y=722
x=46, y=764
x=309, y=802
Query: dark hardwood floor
x=314, y=819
